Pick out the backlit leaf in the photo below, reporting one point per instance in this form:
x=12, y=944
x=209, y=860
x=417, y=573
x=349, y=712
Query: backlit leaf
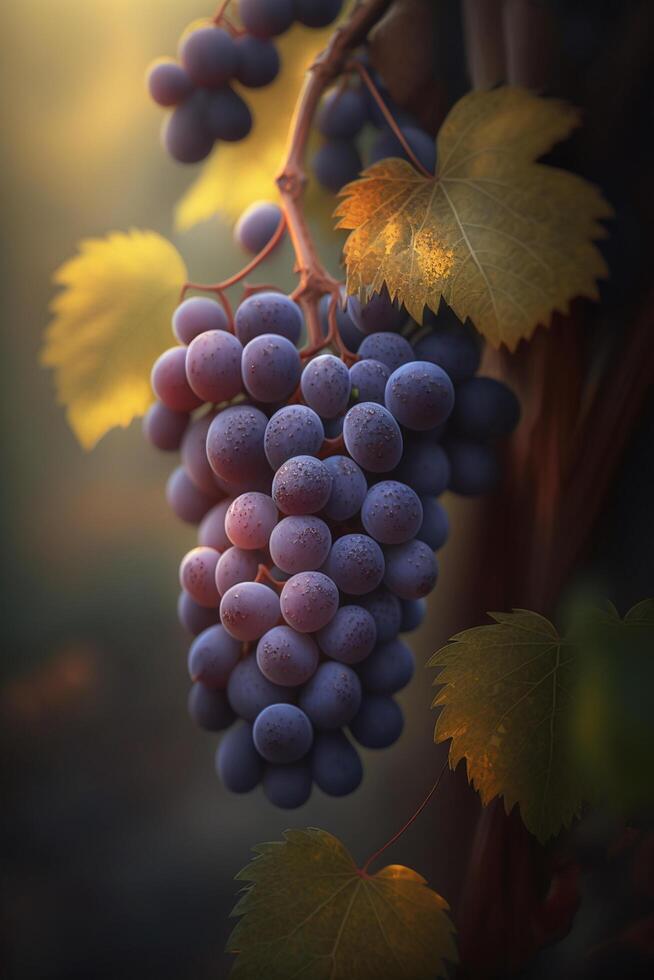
x=308, y=912
x=502, y=239
x=507, y=702
x=110, y=323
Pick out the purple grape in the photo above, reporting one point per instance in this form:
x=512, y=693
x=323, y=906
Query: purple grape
x=169, y=381
x=194, y=455
x=249, y=610
x=265, y=313
x=372, y=437
x=388, y=669
x=250, y=519
x=435, y=525
x=420, y=395
x=287, y=657
x=333, y=427
x=355, y=564
x=257, y=225
x=342, y=113
x=236, y=565
x=194, y=618
x=413, y=613
x=484, y=409
x=391, y=512
x=209, y=56
x=168, y=83
x=378, y=723
x=163, y=427
x=209, y=708
x=197, y=315
x=392, y=349
x=235, y=444
x=308, y=601
x=455, y=348
x=212, y=529
x=336, y=164
x=350, y=636
x=282, y=733
x=197, y=576
x=258, y=61
x=213, y=656
x=474, y=469
x=368, y=379
x=386, y=144
x=287, y=786
x=385, y=609
x=213, y=366
x=249, y=692
x=266, y=18
x=184, y=133
x=325, y=385
x=411, y=569
x=350, y=334
x=294, y=430
x=378, y=315
x=227, y=116
x=238, y=764
x=348, y=488
x=335, y=764
x=302, y=485
x=271, y=368
x=317, y=13
x=332, y=697
x=300, y=544
x=425, y=467
x=185, y=500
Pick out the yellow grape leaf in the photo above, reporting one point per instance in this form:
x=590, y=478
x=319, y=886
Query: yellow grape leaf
x=502, y=239
x=236, y=174
x=507, y=702
x=308, y=912
x=110, y=323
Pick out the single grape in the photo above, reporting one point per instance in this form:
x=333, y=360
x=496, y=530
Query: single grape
x=169, y=381
x=333, y=427
x=282, y=733
x=184, y=134
x=379, y=722
x=336, y=163
x=391, y=512
x=209, y=708
x=266, y=18
x=308, y=601
x=213, y=656
x=266, y=313
x=356, y=564
x=294, y=430
x=411, y=569
x=250, y=519
x=212, y=529
x=474, y=469
x=249, y=610
x=249, y=692
x=271, y=368
x=372, y=437
x=392, y=349
x=342, y=113
x=197, y=315
x=194, y=618
x=350, y=334
x=435, y=525
x=287, y=786
x=213, y=366
x=287, y=657
x=235, y=444
x=425, y=467
x=454, y=347
x=197, y=576
x=335, y=764
x=348, y=488
x=317, y=13
x=325, y=385
x=185, y=499
x=385, y=609
x=388, y=669
x=484, y=409
x=379, y=315
x=168, y=83
x=227, y=116
x=257, y=225
x=238, y=763
x=386, y=144
x=163, y=427
x=236, y=565
x=194, y=455
x=413, y=613
x=302, y=485
x=300, y=544
x=258, y=61
x=420, y=395
x=350, y=636
x=209, y=56
x=368, y=379
x=332, y=697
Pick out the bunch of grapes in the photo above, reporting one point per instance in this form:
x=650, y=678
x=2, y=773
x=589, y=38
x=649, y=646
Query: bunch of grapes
x=315, y=486
x=199, y=87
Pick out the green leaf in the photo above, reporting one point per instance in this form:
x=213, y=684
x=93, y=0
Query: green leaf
x=309, y=912
x=506, y=703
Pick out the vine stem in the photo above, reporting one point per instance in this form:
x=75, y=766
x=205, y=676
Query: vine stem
x=405, y=826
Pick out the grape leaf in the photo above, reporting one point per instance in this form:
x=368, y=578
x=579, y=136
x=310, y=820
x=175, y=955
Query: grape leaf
x=309, y=912
x=507, y=703
x=110, y=323
x=502, y=239
x=236, y=174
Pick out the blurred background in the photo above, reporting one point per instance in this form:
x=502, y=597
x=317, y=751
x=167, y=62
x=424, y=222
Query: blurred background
x=119, y=846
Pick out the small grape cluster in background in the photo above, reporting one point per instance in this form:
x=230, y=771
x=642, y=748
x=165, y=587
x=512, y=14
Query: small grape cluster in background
x=198, y=87
x=315, y=486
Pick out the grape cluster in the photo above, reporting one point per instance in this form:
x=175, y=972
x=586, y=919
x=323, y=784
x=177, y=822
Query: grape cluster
x=199, y=87
x=315, y=487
